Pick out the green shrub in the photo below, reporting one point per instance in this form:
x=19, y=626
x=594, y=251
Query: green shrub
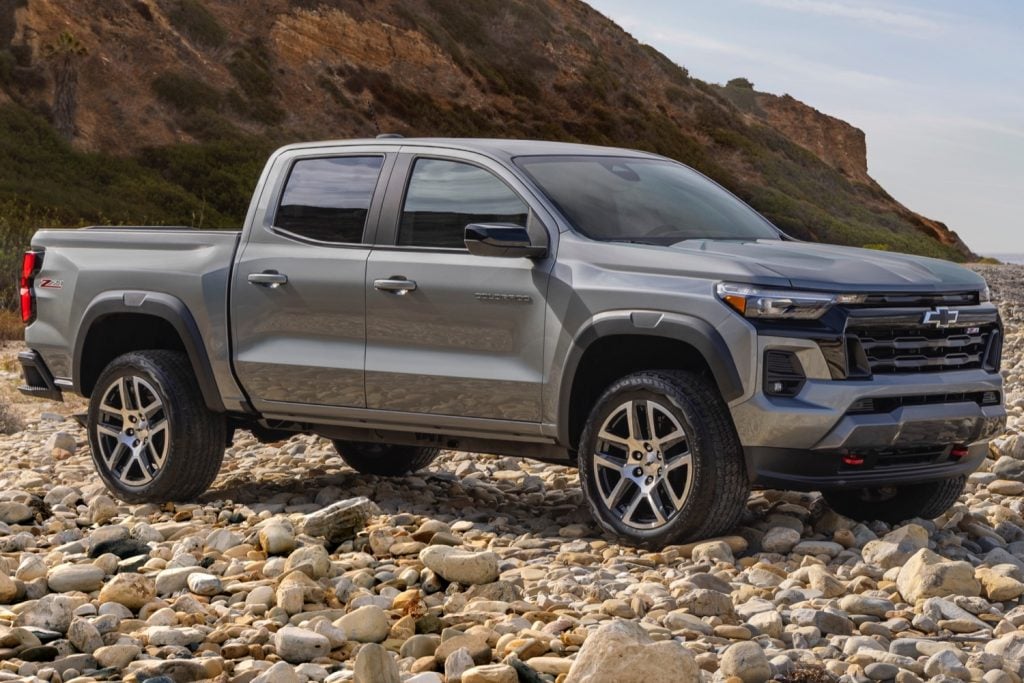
x=740, y=83
x=191, y=18
x=186, y=93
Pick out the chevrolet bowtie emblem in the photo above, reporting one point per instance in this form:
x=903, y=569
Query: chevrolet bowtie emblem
x=941, y=317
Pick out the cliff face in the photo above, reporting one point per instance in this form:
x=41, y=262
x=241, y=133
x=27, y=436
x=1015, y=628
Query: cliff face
x=161, y=72
x=835, y=142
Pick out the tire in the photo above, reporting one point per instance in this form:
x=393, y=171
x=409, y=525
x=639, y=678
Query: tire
x=896, y=503
x=385, y=460
x=692, y=481
x=182, y=441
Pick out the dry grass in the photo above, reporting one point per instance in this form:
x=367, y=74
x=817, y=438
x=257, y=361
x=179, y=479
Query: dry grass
x=10, y=420
x=11, y=328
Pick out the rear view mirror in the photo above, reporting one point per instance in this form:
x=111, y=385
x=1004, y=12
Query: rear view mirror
x=501, y=239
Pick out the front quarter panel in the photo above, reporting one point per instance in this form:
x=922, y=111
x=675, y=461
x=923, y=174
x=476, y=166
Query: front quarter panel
x=599, y=289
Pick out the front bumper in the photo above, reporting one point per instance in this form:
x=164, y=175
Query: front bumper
x=800, y=443
x=38, y=379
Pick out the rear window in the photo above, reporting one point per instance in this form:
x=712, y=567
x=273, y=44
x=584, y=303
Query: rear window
x=328, y=199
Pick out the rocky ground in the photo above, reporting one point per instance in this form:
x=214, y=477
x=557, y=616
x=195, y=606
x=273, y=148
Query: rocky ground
x=488, y=570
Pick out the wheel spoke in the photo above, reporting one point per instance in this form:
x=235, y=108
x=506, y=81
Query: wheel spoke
x=604, y=460
x=633, y=420
x=669, y=440
x=627, y=515
x=652, y=429
x=116, y=456
x=654, y=500
x=613, y=498
x=677, y=501
x=684, y=459
x=107, y=430
x=608, y=437
x=122, y=391
x=155, y=457
x=136, y=394
x=158, y=427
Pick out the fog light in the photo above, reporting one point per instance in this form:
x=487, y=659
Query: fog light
x=959, y=452
x=783, y=374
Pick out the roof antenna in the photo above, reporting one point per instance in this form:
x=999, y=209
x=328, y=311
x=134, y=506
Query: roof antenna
x=388, y=136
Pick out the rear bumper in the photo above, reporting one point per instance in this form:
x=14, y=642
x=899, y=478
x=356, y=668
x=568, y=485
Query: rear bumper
x=38, y=379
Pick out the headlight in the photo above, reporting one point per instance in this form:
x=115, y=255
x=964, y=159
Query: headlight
x=985, y=295
x=777, y=304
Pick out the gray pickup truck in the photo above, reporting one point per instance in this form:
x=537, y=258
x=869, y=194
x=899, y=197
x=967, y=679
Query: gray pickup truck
x=605, y=308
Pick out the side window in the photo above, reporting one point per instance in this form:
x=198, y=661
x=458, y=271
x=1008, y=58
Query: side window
x=445, y=196
x=328, y=199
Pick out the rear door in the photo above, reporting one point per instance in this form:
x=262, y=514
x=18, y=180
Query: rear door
x=450, y=333
x=297, y=296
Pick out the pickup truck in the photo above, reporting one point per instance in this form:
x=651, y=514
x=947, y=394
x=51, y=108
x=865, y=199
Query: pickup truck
x=605, y=308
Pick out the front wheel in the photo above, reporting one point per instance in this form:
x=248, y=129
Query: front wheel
x=152, y=437
x=660, y=461
x=384, y=460
x=894, y=504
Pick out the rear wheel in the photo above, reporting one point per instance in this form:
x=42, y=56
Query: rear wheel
x=894, y=504
x=152, y=437
x=660, y=461
x=385, y=460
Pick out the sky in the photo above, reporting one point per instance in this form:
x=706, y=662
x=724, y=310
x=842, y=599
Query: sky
x=936, y=85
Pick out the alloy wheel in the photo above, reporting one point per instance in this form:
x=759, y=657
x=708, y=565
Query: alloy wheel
x=132, y=431
x=643, y=465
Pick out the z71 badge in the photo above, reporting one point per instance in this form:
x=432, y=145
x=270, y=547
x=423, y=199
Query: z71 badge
x=51, y=284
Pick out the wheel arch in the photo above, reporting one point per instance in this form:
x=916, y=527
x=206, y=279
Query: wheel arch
x=624, y=342
x=166, y=323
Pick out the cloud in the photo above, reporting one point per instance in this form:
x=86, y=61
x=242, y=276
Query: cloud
x=810, y=69
x=904, y=22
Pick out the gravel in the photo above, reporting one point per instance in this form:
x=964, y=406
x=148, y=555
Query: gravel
x=295, y=568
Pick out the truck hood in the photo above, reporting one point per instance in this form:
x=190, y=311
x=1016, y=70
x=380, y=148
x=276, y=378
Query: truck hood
x=834, y=268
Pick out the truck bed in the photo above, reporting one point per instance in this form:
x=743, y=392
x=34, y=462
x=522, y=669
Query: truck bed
x=90, y=264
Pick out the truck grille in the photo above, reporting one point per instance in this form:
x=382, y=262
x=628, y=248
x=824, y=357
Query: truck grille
x=915, y=349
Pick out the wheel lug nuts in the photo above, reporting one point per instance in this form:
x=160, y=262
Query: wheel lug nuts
x=132, y=419
x=649, y=480
x=637, y=455
x=638, y=472
x=648, y=447
x=136, y=444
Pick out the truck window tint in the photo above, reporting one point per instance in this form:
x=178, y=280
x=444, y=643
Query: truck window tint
x=328, y=199
x=446, y=196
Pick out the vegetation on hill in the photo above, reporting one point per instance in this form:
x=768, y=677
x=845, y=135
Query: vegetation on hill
x=225, y=95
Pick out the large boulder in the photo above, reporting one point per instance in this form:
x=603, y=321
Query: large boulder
x=461, y=566
x=622, y=651
x=340, y=522
x=928, y=575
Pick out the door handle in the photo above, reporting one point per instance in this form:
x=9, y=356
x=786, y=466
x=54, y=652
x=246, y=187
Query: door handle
x=268, y=278
x=396, y=285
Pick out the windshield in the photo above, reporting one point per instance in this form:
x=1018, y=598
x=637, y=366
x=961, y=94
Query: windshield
x=654, y=201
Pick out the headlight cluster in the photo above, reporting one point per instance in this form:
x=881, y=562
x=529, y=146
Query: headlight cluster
x=781, y=304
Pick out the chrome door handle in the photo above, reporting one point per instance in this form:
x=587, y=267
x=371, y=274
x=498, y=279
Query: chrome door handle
x=396, y=285
x=268, y=278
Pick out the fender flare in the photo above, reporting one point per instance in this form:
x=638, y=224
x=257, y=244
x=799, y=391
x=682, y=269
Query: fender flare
x=696, y=332
x=158, y=305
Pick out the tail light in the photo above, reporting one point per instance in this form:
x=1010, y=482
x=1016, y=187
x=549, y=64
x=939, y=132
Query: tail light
x=30, y=265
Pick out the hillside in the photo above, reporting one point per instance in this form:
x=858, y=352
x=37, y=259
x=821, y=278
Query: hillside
x=178, y=101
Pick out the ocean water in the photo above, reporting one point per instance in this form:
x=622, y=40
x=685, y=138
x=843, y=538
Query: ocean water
x=1009, y=258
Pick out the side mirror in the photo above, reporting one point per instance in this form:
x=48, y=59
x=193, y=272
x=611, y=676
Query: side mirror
x=501, y=239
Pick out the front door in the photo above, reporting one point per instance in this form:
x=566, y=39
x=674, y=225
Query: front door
x=450, y=333
x=297, y=296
